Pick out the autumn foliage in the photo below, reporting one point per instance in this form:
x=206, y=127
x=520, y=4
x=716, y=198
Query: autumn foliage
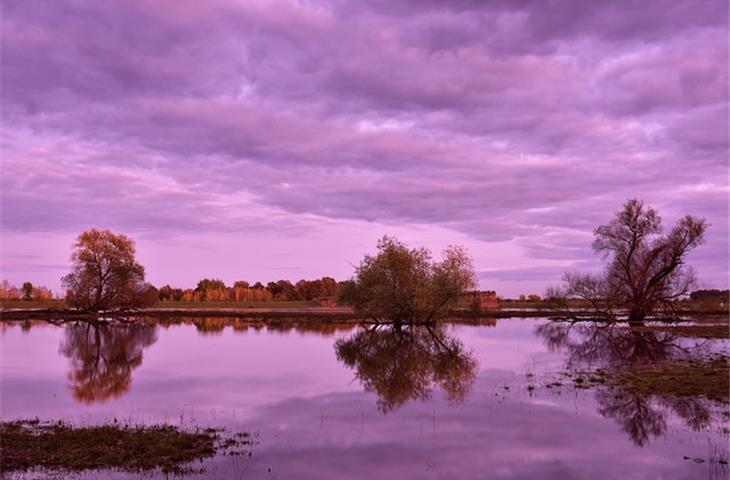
x=105, y=273
x=215, y=290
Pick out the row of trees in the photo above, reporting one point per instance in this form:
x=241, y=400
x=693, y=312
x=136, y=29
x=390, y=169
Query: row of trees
x=209, y=290
x=714, y=295
x=27, y=291
x=645, y=275
x=398, y=284
x=105, y=274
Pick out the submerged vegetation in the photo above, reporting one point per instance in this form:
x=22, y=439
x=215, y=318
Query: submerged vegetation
x=697, y=377
x=691, y=331
x=31, y=444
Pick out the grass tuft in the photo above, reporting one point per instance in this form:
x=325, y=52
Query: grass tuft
x=30, y=444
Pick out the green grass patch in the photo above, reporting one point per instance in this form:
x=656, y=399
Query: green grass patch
x=30, y=444
x=32, y=304
x=699, y=377
x=709, y=378
x=692, y=331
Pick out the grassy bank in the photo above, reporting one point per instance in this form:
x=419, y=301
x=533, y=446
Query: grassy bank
x=57, y=446
x=32, y=304
x=293, y=314
x=48, y=304
x=219, y=305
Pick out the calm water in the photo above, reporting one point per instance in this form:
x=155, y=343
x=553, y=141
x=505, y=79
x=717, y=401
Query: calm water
x=341, y=402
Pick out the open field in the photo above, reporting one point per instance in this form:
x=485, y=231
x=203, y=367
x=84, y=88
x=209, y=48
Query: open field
x=32, y=304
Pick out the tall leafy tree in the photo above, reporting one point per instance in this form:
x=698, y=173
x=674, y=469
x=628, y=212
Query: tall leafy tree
x=104, y=272
x=404, y=285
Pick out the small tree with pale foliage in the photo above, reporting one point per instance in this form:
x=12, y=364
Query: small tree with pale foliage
x=404, y=285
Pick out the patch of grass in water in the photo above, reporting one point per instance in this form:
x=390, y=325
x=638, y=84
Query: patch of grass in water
x=30, y=444
x=691, y=331
x=708, y=377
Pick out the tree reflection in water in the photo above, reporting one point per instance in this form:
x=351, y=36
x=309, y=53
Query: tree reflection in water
x=617, y=348
x=103, y=357
x=400, y=364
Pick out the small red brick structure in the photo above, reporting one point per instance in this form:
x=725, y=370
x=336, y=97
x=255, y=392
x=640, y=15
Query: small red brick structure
x=329, y=302
x=480, y=301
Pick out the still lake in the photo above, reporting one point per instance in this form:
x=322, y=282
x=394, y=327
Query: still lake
x=468, y=401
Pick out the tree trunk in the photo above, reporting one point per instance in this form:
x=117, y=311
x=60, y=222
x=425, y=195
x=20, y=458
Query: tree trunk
x=636, y=316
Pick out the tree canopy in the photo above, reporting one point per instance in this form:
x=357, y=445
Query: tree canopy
x=404, y=285
x=105, y=273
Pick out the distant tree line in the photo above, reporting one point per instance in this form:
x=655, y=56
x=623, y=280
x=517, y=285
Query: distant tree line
x=27, y=291
x=215, y=290
x=722, y=296
x=532, y=298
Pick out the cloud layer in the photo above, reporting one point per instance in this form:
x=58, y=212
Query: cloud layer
x=520, y=124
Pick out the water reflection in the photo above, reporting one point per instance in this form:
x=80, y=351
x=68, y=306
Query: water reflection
x=103, y=357
x=618, y=349
x=214, y=325
x=400, y=364
x=614, y=345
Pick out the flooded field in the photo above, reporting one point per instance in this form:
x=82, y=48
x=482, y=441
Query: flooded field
x=513, y=398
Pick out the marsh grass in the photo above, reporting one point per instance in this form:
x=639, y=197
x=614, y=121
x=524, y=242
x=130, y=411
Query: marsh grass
x=701, y=377
x=690, y=378
x=31, y=444
x=691, y=331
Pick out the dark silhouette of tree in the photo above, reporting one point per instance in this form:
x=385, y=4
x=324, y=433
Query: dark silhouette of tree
x=105, y=273
x=709, y=295
x=404, y=285
x=646, y=272
x=27, y=291
x=400, y=364
x=171, y=294
x=103, y=357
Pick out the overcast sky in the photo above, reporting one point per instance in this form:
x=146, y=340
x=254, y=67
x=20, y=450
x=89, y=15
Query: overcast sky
x=261, y=140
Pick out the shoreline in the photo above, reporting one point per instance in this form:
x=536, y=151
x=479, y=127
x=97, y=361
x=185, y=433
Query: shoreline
x=281, y=313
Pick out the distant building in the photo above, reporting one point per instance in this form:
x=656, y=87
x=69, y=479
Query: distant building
x=480, y=301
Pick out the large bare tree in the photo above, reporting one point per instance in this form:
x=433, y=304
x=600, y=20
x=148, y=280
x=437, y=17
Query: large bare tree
x=645, y=272
x=105, y=273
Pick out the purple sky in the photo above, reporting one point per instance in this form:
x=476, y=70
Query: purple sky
x=262, y=140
